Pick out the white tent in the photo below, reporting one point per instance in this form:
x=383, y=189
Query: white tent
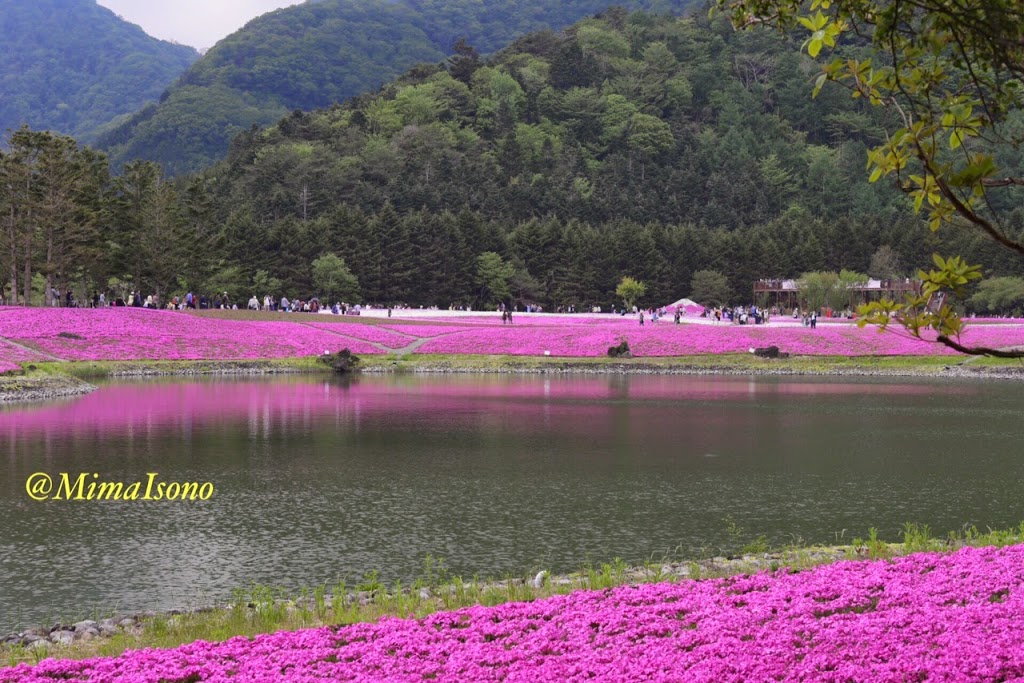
x=689, y=305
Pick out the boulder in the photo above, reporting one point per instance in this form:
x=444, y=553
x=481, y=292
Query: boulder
x=770, y=352
x=62, y=637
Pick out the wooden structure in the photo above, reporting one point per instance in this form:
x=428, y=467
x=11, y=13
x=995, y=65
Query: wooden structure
x=785, y=293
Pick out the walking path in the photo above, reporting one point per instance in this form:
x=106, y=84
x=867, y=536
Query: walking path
x=30, y=350
x=403, y=351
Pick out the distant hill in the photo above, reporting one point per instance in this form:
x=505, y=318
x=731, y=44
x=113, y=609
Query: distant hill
x=628, y=144
x=319, y=53
x=72, y=66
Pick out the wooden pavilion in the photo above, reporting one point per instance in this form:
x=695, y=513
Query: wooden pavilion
x=786, y=294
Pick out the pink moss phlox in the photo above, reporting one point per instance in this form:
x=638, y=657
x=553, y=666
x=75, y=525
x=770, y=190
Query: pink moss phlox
x=136, y=334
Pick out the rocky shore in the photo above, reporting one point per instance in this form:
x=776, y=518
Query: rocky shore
x=41, y=387
x=65, y=635
x=38, y=387
x=778, y=368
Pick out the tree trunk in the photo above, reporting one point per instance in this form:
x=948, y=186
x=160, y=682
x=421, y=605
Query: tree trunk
x=14, y=261
x=27, y=284
x=49, y=277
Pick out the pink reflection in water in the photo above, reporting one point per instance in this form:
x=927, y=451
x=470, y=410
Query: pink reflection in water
x=141, y=409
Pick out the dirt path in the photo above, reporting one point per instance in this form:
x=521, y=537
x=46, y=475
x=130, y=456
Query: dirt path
x=403, y=351
x=29, y=349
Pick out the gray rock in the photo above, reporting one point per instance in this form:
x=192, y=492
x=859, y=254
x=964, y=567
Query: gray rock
x=86, y=635
x=40, y=644
x=424, y=594
x=62, y=637
x=127, y=622
x=108, y=630
x=83, y=625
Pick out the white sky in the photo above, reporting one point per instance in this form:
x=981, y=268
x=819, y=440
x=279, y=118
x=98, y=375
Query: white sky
x=199, y=23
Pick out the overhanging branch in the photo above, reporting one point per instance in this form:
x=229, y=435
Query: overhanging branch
x=980, y=350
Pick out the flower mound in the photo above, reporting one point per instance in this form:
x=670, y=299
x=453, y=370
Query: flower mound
x=140, y=334
x=28, y=335
x=935, y=617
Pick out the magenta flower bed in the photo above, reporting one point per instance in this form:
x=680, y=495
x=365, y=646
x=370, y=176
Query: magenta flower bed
x=15, y=354
x=133, y=334
x=138, y=334
x=8, y=367
x=677, y=340
x=934, y=617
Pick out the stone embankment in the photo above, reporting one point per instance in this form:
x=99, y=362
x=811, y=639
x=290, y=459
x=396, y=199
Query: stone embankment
x=41, y=387
x=770, y=369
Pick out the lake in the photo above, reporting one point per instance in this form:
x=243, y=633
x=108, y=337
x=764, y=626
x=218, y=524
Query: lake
x=318, y=479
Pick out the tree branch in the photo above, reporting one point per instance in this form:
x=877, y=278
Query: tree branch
x=980, y=350
x=1002, y=182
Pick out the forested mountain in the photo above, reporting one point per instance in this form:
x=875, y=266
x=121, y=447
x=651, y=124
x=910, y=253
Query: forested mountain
x=630, y=144
x=319, y=53
x=72, y=66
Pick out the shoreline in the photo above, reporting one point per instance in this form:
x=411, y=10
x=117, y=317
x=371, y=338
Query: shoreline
x=262, y=609
x=369, y=601
x=56, y=380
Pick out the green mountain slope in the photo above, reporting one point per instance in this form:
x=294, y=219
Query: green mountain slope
x=319, y=53
x=629, y=145
x=73, y=66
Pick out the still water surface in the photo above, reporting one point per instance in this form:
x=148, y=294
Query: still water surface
x=319, y=479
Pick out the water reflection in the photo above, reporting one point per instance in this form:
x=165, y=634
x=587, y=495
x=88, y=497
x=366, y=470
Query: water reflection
x=324, y=479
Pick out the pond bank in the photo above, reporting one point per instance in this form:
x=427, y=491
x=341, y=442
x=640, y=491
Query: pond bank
x=722, y=364
x=52, y=380
x=49, y=381
x=259, y=608
x=19, y=388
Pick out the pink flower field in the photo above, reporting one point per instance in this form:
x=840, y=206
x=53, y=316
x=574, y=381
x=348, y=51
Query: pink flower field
x=28, y=335
x=139, y=334
x=925, y=617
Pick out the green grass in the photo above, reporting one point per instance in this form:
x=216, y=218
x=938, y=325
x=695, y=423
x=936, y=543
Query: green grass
x=266, y=609
x=103, y=369
x=737, y=362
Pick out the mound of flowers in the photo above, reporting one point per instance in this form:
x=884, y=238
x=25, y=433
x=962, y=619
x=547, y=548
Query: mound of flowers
x=140, y=334
x=666, y=339
x=935, y=617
